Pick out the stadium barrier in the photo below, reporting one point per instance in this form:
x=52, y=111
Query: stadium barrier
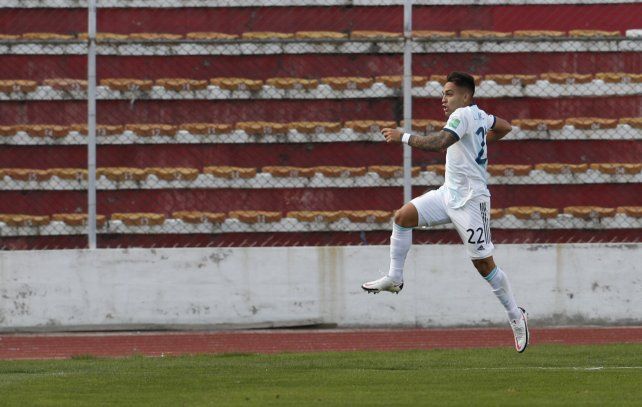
x=224, y=288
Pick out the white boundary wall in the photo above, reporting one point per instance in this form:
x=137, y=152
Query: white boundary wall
x=260, y=287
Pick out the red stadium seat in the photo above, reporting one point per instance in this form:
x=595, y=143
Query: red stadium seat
x=266, y=35
x=288, y=171
x=228, y=172
x=315, y=216
x=195, y=217
x=292, y=83
x=127, y=84
x=262, y=128
x=319, y=35
x=509, y=170
x=347, y=82
x=315, y=127
x=173, y=173
x=237, y=83
x=559, y=168
x=392, y=171
x=204, y=129
x=121, y=173
x=368, y=216
x=19, y=220
x=151, y=130
x=17, y=85
x=589, y=212
x=478, y=34
x=139, y=219
x=210, y=36
x=366, y=126
x=370, y=34
x=180, y=84
x=78, y=219
x=339, y=171
x=253, y=217
x=538, y=34
x=531, y=212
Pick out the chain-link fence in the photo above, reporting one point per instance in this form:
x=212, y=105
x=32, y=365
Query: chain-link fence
x=42, y=103
x=568, y=78
x=222, y=123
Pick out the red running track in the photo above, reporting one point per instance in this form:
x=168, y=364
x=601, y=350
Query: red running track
x=62, y=346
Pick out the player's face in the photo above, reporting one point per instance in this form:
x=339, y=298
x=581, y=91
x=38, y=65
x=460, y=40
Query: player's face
x=453, y=97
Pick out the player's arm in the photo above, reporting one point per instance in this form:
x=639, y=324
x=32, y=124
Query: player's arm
x=434, y=142
x=499, y=130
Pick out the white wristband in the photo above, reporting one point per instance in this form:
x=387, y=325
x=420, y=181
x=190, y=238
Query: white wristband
x=405, y=138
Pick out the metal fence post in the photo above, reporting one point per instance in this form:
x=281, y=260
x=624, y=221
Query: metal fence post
x=407, y=98
x=91, y=125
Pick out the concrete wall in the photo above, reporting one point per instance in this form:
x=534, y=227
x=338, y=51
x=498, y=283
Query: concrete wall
x=260, y=287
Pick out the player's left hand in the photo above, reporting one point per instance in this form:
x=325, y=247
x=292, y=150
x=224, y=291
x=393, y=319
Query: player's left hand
x=392, y=135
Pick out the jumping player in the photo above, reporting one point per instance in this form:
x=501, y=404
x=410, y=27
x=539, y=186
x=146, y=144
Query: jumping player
x=464, y=198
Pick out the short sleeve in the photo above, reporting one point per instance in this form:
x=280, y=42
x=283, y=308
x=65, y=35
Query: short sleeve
x=457, y=124
x=490, y=121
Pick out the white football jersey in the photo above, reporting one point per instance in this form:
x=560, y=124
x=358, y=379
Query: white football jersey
x=466, y=160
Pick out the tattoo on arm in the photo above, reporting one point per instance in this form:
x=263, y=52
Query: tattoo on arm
x=433, y=142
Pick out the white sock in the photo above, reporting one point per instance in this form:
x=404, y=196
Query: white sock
x=400, y=243
x=498, y=280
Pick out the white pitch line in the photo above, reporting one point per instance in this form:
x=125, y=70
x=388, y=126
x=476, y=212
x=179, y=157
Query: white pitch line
x=588, y=368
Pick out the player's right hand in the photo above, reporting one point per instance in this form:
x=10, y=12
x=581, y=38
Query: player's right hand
x=392, y=135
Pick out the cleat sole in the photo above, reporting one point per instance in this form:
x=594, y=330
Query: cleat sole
x=527, y=332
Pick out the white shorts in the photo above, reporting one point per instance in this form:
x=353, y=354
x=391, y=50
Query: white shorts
x=472, y=220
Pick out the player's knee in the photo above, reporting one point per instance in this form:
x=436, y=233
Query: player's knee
x=405, y=217
x=484, y=266
x=397, y=217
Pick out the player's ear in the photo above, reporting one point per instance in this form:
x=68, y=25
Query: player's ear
x=468, y=98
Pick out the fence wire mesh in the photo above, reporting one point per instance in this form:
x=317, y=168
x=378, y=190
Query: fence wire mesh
x=42, y=102
x=249, y=121
x=223, y=123
x=567, y=76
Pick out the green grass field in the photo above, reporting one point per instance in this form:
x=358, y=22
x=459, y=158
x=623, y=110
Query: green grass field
x=544, y=375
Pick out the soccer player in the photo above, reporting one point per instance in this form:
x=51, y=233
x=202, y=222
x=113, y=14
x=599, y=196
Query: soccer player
x=464, y=198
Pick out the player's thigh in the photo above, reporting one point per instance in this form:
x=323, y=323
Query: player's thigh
x=431, y=208
x=472, y=222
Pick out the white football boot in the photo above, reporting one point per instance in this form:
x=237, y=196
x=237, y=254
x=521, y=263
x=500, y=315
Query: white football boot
x=383, y=284
x=520, y=331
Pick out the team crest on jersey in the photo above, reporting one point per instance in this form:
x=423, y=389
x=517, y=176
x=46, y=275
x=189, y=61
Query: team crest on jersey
x=454, y=123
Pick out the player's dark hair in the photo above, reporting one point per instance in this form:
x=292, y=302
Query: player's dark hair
x=462, y=80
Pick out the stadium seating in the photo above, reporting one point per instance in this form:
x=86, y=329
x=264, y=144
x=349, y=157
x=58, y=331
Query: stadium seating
x=315, y=216
x=318, y=177
x=329, y=35
x=187, y=222
x=199, y=217
x=230, y=172
x=589, y=212
x=531, y=212
x=317, y=131
x=282, y=132
x=252, y=217
x=139, y=219
x=77, y=219
x=489, y=86
x=18, y=220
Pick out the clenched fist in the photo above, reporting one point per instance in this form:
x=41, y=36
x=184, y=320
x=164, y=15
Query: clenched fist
x=392, y=135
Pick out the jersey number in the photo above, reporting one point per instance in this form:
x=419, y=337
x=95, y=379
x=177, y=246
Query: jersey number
x=472, y=235
x=481, y=133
